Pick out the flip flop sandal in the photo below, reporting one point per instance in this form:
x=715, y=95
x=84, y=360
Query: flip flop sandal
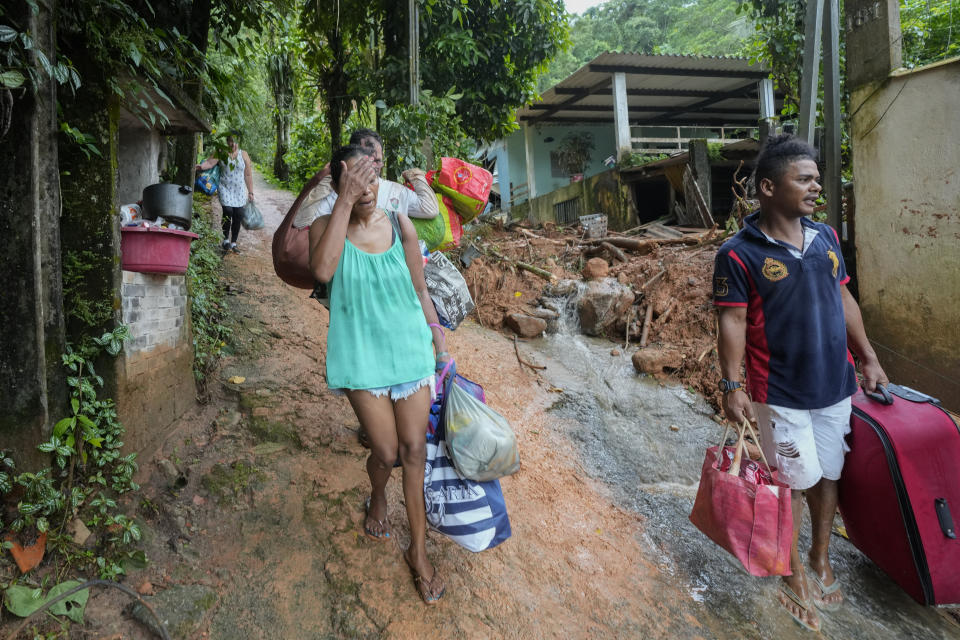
x=804, y=605
x=825, y=591
x=424, y=586
x=384, y=535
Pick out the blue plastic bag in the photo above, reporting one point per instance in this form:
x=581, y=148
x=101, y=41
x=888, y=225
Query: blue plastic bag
x=208, y=180
x=472, y=514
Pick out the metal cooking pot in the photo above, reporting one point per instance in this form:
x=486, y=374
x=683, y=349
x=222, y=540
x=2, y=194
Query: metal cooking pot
x=173, y=202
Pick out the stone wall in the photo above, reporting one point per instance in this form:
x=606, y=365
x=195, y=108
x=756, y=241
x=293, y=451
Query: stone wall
x=155, y=369
x=906, y=161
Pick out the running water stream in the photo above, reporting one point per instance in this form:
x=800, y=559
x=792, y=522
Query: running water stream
x=646, y=440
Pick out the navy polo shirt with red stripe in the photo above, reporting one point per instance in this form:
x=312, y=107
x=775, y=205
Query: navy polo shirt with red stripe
x=796, y=350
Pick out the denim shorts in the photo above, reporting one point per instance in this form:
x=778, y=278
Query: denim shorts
x=397, y=391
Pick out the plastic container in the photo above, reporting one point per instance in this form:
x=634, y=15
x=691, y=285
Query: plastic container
x=594, y=225
x=155, y=250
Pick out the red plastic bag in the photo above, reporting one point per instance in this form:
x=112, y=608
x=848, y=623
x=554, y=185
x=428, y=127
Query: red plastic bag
x=454, y=225
x=749, y=469
x=751, y=520
x=467, y=185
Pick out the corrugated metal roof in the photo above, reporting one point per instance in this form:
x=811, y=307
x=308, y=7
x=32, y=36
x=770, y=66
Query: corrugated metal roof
x=661, y=90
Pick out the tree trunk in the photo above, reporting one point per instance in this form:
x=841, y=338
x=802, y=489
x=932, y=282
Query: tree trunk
x=186, y=147
x=32, y=339
x=280, y=169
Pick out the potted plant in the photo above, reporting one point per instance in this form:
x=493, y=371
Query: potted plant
x=573, y=154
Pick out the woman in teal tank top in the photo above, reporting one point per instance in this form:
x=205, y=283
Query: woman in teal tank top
x=383, y=345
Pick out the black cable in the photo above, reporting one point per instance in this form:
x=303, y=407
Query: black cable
x=86, y=585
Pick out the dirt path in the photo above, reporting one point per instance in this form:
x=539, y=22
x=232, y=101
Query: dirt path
x=253, y=507
x=260, y=536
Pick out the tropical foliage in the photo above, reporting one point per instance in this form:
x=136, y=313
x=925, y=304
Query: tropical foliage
x=491, y=52
x=928, y=27
x=931, y=30
x=707, y=27
x=404, y=127
x=89, y=473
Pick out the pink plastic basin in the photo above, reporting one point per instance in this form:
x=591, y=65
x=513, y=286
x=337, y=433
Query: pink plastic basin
x=155, y=250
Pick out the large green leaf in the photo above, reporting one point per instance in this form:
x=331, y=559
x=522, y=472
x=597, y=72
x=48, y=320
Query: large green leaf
x=22, y=601
x=74, y=605
x=11, y=79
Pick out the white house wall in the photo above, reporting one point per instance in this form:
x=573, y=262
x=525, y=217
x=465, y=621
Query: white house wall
x=604, y=146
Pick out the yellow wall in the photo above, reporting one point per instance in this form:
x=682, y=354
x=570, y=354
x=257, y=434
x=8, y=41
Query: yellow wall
x=906, y=154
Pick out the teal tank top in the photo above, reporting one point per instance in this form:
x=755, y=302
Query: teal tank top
x=378, y=336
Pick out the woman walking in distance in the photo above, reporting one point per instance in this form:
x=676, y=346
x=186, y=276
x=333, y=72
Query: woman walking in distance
x=235, y=189
x=384, y=343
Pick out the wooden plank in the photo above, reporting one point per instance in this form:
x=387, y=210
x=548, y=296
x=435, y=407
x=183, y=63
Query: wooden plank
x=696, y=209
x=660, y=231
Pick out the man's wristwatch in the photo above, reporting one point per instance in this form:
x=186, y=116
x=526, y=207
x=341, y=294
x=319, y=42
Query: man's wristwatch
x=726, y=386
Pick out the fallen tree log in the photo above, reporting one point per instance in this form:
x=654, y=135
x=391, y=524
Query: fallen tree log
x=534, y=236
x=644, y=245
x=537, y=271
x=662, y=318
x=615, y=252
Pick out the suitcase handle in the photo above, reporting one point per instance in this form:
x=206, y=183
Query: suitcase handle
x=946, y=520
x=881, y=395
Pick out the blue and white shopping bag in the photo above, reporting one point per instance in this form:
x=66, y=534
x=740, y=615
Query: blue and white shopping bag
x=472, y=514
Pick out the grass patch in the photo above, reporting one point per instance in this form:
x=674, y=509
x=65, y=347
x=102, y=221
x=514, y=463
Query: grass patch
x=229, y=483
x=265, y=430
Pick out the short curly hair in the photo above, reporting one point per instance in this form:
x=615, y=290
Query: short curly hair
x=779, y=152
x=362, y=135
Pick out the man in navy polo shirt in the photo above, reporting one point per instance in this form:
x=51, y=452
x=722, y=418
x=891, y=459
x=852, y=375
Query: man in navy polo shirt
x=780, y=289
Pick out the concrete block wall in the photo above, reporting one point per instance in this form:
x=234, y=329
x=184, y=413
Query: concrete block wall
x=155, y=377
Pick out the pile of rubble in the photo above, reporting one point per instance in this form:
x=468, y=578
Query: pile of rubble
x=646, y=289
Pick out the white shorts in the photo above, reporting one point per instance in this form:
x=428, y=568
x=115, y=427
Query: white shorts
x=805, y=445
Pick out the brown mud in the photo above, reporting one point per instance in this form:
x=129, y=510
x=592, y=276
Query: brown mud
x=674, y=279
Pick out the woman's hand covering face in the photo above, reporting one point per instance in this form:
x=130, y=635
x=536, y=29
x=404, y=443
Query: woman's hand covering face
x=355, y=179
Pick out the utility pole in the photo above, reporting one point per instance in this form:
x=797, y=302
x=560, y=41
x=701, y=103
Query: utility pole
x=413, y=27
x=822, y=23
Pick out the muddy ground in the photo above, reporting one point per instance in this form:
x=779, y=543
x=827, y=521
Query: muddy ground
x=673, y=279
x=258, y=531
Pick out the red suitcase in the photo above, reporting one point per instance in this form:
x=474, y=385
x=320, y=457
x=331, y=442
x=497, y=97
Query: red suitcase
x=901, y=480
